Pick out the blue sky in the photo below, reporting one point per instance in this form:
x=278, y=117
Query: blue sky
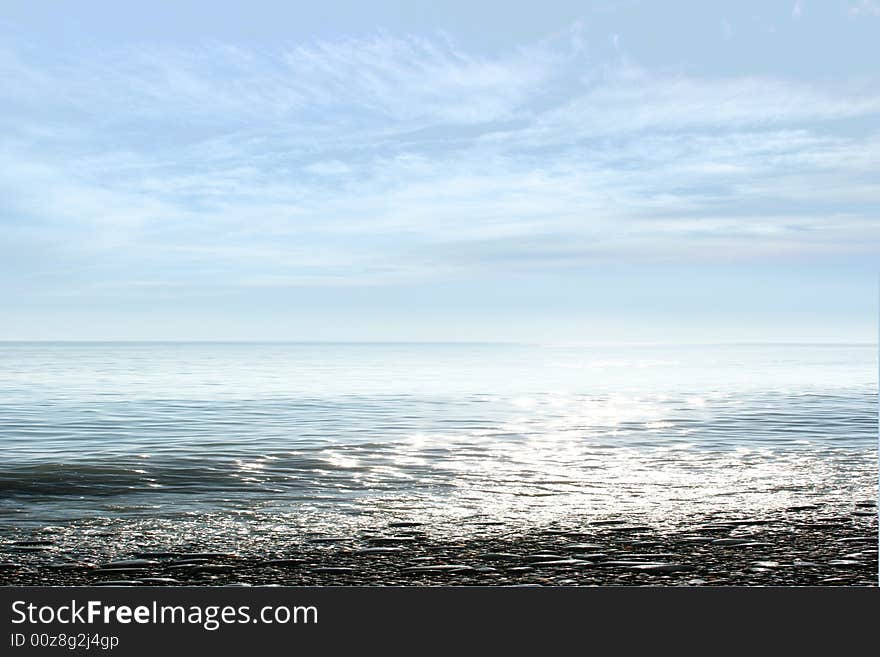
x=440, y=171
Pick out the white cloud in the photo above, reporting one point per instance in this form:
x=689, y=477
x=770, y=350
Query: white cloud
x=328, y=168
x=386, y=78
x=386, y=159
x=864, y=8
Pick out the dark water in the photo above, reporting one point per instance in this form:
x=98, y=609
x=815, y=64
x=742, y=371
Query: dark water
x=318, y=435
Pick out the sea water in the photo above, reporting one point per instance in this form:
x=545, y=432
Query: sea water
x=317, y=436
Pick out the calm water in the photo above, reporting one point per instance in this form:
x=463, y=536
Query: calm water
x=321, y=435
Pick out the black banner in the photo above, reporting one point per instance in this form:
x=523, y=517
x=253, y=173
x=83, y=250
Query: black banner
x=149, y=621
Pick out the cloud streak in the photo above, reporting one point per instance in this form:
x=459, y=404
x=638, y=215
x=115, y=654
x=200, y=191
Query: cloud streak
x=388, y=160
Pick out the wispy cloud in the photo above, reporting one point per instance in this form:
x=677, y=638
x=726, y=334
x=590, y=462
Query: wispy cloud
x=865, y=8
x=382, y=77
x=387, y=159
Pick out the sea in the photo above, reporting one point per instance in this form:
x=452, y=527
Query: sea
x=305, y=439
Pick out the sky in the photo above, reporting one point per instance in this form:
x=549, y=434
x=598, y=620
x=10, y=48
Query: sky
x=554, y=171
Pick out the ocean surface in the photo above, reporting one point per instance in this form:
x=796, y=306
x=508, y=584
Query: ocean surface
x=301, y=437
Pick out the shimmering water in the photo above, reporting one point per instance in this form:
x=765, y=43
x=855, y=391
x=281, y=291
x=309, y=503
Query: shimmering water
x=319, y=435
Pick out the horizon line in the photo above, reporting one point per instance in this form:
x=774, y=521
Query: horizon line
x=560, y=343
